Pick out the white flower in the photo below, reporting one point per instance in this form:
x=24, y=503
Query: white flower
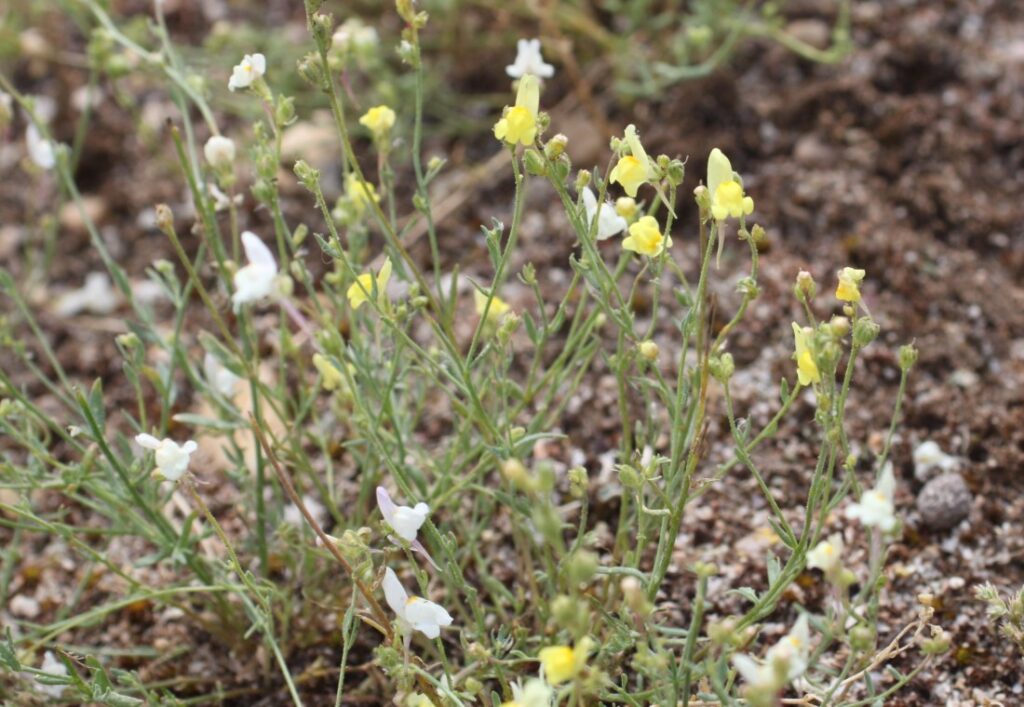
x=256, y=280
x=219, y=377
x=52, y=666
x=405, y=521
x=171, y=459
x=876, y=507
x=609, y=223
x=252, y=67
x=929, y=455
x=535, y=693
x=97, y=295
x=40, y=150
x=529, y=61
x=414, y=613
x=785, y=661
x=219, y=151
x=827, y=555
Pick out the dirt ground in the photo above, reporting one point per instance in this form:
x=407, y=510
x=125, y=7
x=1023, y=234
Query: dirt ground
x=906, y=159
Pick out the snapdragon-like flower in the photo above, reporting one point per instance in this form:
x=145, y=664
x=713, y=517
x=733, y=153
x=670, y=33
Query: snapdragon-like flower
x=827, y=555
x=378, y=120
x=929, y=455
x=535, y=693
x=360, y=193
x=876, y=507
x=256, y=280
x=40, y=150
x=848, y=288
x=561, y=663
x=171, y=458
x=219, y=377
x=363, y=288
x=405, y=521
x=414, y=613
x=609, y=222
x=519, y=123
x=330, y=377
x=784, y=662
x=219, y=151
x=529, y=61
x=646, y=238
x=727, y=197
x=806, y=369
x=633, y=169
x=252, y=67
x=498, y=309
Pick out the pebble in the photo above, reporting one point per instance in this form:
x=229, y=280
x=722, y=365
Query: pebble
x=23, y=606
x=944, y=501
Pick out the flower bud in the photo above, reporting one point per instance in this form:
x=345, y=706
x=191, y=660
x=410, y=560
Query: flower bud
x=535, y=163
x=582, y=179
x=625, y=207
x=722, y=367
x=582, y=567
x=578, y=481
x=556, y=146
x=308, y=175
x=864, y=331
x=907, y=357
x=862, y=638
x=839, y=327
x=164, y=218
x=649, y=350
x=805, y=288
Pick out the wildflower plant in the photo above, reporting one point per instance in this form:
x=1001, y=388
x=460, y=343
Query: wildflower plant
x=395, y=371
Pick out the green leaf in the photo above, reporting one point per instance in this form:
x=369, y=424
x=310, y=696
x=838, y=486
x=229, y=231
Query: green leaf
x=746, y=592
x=99, y=413
x=8, y=658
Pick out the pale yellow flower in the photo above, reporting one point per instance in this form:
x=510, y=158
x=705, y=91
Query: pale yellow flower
x=727, y=197
x=379, y=120
x=361, y=194
x=806, y=369
x=633, y=169
x=331, y=377
x=362, y=289
x=646, y=238
x=519, y=124
x=848, y=289
x=498, y=309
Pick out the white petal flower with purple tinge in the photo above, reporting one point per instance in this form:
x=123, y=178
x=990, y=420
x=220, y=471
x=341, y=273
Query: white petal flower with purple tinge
x=252, y=67
x=609, y=223
x=414, y=613
x=529, y=61
x=784, y=662
x=256, y=280
x=876, y=508
x=171, y=458
x=405, y=521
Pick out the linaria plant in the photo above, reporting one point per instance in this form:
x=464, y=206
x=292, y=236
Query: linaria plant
x=395, y=376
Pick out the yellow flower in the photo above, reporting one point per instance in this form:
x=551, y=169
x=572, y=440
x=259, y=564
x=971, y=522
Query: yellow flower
x=625, y=207
x=561, y=663
x=633, y=169
x=848, y=289
x=379, y=120
x=362, y=288
x=498, y=309
x=332, y=378
x=727, y=197
x=645, y=238
x=806, y=369
x=359, y=193
x=519, y=124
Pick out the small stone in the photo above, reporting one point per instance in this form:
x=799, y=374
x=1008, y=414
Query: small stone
x=23, y=606
x=944, y=501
